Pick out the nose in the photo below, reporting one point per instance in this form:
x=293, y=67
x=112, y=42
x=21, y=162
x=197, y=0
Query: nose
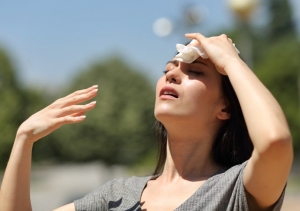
x=173, y=76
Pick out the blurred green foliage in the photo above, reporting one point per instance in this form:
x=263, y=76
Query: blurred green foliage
x=119, y=130
x=9, y=106
x=15, y=106
x=277, y=63
x=276, y=50
x=279, y=70
x=281, y=21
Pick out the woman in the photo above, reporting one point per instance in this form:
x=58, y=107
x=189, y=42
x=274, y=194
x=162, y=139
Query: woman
x=194, y=112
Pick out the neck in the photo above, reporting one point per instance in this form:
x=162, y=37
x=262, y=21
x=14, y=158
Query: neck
x=189, y=156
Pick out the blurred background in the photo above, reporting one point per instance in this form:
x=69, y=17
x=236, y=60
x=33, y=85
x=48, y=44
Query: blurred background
x=51, y=48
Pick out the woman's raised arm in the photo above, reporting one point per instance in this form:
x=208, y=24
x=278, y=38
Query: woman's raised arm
x=268, y=168
x=15, y=188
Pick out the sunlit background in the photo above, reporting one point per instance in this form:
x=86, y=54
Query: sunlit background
x=51, y=48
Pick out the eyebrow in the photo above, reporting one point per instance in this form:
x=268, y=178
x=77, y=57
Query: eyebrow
x=200, y=62
x=175, y=62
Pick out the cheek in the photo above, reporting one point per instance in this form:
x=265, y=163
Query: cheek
x=195, y=90
x=201, y=96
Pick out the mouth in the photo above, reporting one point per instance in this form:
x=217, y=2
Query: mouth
x=168, y=92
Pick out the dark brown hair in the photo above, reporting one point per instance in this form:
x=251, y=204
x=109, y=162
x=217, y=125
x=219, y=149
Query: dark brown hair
x=232, y=145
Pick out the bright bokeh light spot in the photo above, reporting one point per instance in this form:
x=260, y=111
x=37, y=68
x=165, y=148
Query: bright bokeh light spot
x=243, y=7
x=162, y=27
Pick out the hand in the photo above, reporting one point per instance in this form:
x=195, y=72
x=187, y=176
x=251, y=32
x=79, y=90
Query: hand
x=63, y=111
x=219, y=49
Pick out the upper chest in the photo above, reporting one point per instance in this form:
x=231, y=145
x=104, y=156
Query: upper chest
x=167, y=197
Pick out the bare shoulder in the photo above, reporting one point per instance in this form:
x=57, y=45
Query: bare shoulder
x=68, y=207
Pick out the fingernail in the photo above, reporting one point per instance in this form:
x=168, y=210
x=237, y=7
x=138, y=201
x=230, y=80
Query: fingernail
x=81, y=117
x=193, y=41
x=94, y=90
x=92, y=103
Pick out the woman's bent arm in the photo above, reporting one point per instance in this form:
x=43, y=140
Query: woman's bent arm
x=15, y=189
x=268, y=168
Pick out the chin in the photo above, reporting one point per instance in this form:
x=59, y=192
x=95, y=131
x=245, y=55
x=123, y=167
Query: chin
x=166, y=115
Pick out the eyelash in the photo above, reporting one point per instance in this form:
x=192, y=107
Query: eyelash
x=195, y=72
x=190, y=71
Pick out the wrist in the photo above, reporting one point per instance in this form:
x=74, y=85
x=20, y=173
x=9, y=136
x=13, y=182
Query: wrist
x=236, y=64
x=24, y=139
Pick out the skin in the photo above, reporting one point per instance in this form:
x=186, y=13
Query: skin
x=189, y=163
x=15, y=188
x=199, y=108
x=192, y=120
x=270, y=163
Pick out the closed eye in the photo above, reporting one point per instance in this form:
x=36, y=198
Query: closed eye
x=195, y=72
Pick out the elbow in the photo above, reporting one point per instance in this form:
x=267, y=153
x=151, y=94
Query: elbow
x=280, y=139
x=274, y=143
x=278, y=144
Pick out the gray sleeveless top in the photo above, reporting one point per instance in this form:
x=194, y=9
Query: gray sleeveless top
x=221, y=192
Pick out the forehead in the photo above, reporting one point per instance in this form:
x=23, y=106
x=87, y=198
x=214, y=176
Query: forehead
x=204, y=61
x=199, y=60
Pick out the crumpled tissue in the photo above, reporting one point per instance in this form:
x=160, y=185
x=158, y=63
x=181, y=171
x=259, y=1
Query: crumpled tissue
x=188, y=54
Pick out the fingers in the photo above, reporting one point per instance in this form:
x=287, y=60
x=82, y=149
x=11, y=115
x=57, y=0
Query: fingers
x=78, y=114
x=197, y=36
x=67, y=111
x=73, y=114
x=69, y=120
x=77, y=97
x=83, y=91
x=76, y=110
x=61, y=112
x=201, y=38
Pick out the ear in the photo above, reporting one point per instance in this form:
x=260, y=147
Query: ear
x=223, y=114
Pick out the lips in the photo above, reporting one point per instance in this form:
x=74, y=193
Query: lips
x=168, y=92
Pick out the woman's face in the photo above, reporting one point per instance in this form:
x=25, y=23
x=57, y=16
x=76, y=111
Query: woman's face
x=190, y=93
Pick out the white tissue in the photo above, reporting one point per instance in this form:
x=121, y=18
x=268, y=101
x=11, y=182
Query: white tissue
x=188, y=54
